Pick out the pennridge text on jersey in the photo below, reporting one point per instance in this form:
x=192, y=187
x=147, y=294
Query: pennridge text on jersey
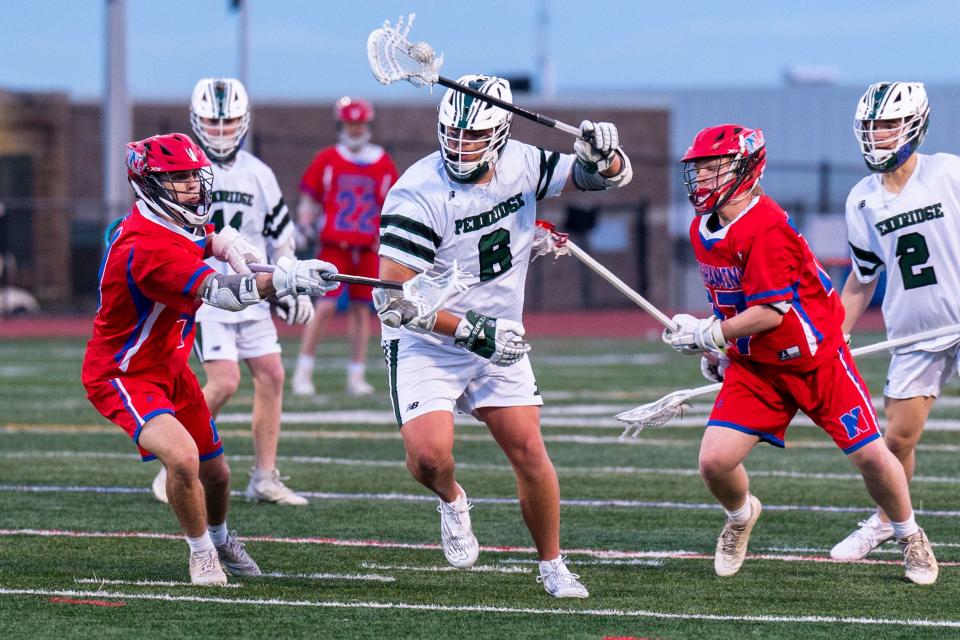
x=487, y=218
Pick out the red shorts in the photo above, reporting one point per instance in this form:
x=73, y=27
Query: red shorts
x=762, y=401
x=130, y=402
x=357, y=261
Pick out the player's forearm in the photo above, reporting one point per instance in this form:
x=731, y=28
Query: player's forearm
x=751, y=322
x=237, y=285
x=308, y=210
x=855, y=298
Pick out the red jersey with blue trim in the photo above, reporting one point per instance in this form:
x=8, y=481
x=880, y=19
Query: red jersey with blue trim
x=149, y=278
x=351, y=187
x=761, y=258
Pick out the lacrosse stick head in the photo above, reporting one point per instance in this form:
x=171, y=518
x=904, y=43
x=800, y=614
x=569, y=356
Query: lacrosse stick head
x=547, y=240
x=429, y=294
x=393, y=57
x=654, y=414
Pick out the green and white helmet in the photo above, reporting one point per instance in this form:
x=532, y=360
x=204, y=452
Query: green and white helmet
x=220, y=116
x=905, y=102
x=459, y=113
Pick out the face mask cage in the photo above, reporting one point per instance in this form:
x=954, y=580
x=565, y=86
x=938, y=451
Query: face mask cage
x=887, y=144
x=183, y=196
x=482, y=151
x=710, y=190
x=213, y=136
x=353, y=143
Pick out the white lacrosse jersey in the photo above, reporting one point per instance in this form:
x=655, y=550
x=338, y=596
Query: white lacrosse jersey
x=246, y=196
x=428, y=221
x=914, y=236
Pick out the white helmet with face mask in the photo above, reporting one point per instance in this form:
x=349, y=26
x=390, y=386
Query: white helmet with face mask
x=902, y=104
x=220, y=116
x=460, y=113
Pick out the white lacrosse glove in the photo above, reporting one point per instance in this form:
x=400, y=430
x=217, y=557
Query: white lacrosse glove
x=302, y=277
x=500, y=341
x=396, y=311
x=695, y=337
x=714, y=366
x=231, y=247
x=599, y=145
x=294, y=309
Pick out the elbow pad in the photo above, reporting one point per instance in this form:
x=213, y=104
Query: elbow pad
x=587, y=181
x=230, y=292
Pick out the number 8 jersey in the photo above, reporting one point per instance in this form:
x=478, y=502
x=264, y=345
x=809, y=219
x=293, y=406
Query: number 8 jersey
x=429, y=221
x=914, y=236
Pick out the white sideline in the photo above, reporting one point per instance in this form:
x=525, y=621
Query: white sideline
x=146, y=583
x=367, y=462
x=606, y=613
x=331, y=576
x=484, y=568
x=410, y=497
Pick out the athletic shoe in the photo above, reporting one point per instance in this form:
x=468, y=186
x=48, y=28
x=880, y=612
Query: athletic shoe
x=302, y=383
x=267, y=486
x=460, y=546
x=205, y=569
x=357, y=387
x=872, y=533
x=732, y=544
x=559, y=582
x=159, y=486
x=235, y=559
x=918, y=557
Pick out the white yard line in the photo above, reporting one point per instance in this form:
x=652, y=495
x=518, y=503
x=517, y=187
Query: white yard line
x=372, y=577
x=605, y=613
x=144, y=583
x=484, y=568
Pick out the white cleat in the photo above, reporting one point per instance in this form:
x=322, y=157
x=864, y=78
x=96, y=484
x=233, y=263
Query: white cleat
x=159, y=486
x=732, y=544
x=267, y=486
x=205, y=569
x=358, y=387
x=459, y=544
x=872, y=533
x=302, y=383
x=559, y=582
x=922, y=567
x=235, y=559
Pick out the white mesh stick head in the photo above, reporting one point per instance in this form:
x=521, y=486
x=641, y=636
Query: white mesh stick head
x=393, y=57
x=660, y=412
x=429, y=294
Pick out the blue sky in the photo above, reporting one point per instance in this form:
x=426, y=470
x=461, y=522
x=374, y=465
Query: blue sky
x=309, y=49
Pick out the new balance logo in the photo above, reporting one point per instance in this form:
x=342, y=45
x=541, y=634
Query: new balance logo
x=412, y=406
x=851, y=422
x=451, y=195
x=861, y=204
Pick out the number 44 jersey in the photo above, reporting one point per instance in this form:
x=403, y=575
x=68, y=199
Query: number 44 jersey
x=913, y=235
x=246, y=196
x=429, y=221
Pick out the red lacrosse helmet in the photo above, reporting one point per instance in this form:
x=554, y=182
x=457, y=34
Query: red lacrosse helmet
x=742, y=156
x=172, y=175
x=349, y=110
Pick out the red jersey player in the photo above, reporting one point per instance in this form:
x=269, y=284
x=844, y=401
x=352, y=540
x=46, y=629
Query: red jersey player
x=152, y=281
x=778, y=318
x=346, y=185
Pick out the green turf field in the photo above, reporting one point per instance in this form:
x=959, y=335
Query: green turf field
x=79, y=529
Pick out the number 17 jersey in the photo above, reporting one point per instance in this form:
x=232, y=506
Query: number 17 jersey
x=914, y=236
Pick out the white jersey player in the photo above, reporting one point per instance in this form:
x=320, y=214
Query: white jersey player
x=475, y=202
x=247, y=198
x=904, y=219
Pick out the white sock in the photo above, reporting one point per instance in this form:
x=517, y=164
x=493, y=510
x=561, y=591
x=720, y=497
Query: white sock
x=742, y=514
x=548, y=566
x=356, y=369
x=906, y=528
x=218, y=533
x=203, y=543
x=305, y=363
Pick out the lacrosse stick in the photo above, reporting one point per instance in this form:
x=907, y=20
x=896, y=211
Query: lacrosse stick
x=393, y=57
x=427, y=293
x=547, y=240
x=672, y=405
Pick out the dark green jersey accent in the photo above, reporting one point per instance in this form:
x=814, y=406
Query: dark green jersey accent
x=867, y=261
x=548, y=164
x=411, y=226
x=414, y=249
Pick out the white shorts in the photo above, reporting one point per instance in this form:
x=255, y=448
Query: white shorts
x=920, y=373
x=425, y=377
x=235, y=341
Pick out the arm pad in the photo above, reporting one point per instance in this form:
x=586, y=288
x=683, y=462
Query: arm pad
x=585, y=180
x=230, y=292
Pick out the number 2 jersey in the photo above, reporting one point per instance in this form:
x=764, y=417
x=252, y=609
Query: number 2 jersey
x=246, y=196
x=915, y=237
x=761, y=259
x=351, y=188
x=429, y=221
x=149, y=278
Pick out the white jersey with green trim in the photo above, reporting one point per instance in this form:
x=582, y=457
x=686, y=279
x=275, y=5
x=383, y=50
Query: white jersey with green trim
x=428, y=221
x=246, y=196
x=914, y=236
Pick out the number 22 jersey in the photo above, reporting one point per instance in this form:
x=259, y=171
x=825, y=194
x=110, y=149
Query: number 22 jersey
x=914, y=235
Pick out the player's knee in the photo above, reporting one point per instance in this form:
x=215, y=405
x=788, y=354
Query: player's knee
x=223, y=386
x=183, y=465
x=713, y=465
x=270, y=379
x=528, y=454
x=216, y=473
x=428, y=462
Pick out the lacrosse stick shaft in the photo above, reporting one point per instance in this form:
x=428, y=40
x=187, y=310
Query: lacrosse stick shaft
x=512, y=108
x=620, y=285
x=337, y=277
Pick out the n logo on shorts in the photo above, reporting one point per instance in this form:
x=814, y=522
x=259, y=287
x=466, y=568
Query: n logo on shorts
x=851, y=422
